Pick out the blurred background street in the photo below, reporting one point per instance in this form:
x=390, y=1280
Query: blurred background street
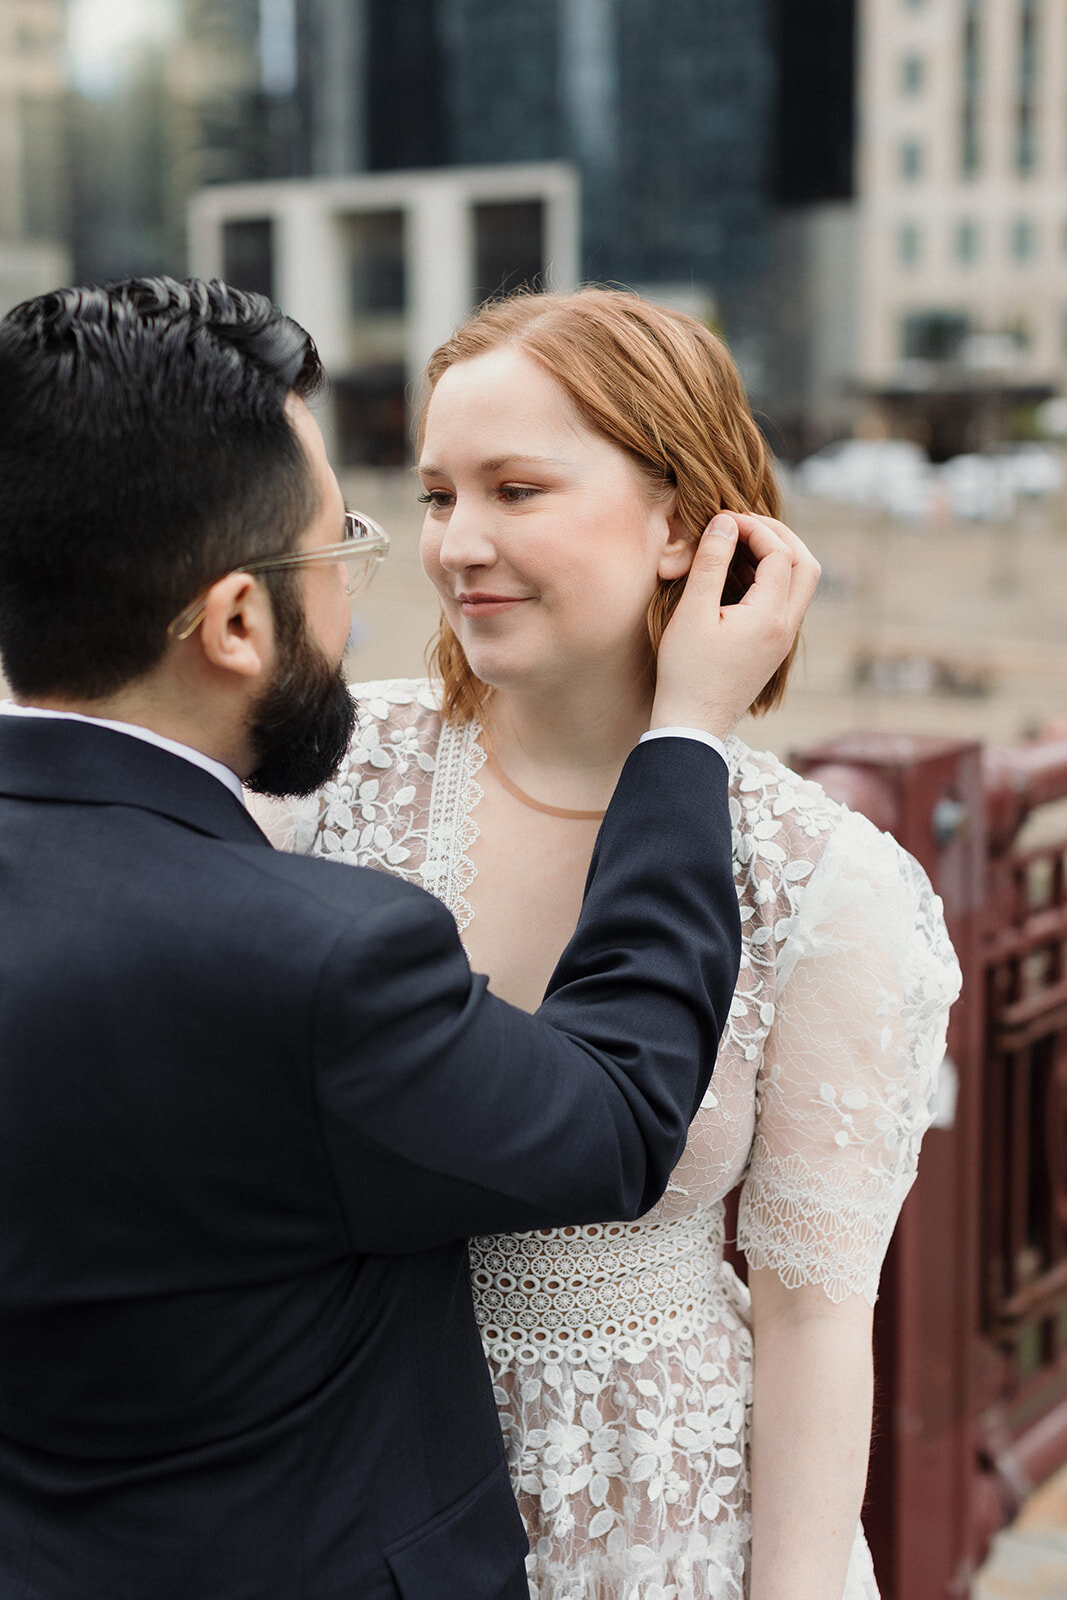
x=868, y=200
x=950, y=628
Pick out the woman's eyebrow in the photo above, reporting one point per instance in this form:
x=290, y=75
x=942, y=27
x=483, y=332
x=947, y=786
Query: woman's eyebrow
x=495, y=463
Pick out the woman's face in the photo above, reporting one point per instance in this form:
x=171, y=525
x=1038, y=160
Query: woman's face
x=541, y=538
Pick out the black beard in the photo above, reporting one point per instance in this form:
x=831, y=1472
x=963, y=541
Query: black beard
x=301, y=726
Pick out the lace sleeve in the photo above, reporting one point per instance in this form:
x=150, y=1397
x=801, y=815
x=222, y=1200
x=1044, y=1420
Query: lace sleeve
x=850, y=1067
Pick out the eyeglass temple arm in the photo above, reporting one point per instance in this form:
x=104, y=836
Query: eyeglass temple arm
x=376, y=543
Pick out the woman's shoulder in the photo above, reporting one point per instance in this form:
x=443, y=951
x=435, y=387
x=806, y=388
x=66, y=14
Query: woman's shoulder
x=811, y=863
x=775, y=811
x=770, y=802
x=790, y=835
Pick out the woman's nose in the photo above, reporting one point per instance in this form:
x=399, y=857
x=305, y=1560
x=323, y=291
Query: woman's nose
x=467, y=540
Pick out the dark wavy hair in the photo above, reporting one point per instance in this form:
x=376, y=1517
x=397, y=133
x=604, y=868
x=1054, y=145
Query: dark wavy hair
x=144, y=452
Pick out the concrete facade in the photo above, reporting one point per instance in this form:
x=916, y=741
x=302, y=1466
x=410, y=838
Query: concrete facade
x=813, y=306
x=962, y=195
x=320, y=274
x=32, y=192
x=30, y=268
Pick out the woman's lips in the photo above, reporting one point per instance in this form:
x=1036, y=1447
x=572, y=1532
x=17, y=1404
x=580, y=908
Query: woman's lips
x=488, y=605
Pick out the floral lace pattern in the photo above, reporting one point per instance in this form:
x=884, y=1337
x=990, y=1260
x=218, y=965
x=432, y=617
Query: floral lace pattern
x=621, y=1353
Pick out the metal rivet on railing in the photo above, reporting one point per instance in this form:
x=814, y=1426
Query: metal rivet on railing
x=949, y=820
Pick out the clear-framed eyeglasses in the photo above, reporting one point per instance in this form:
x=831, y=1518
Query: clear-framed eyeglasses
x=363, y=548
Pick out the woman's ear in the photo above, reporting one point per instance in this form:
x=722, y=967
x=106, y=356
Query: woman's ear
x=676, y=556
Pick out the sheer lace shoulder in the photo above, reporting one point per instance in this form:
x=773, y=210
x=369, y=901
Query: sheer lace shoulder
x=385, y=771
x=403, y=798
x=373, y=812
x=847, y=1081
x=781, y=826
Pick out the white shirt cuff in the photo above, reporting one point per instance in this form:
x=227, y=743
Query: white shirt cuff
x=686, y=733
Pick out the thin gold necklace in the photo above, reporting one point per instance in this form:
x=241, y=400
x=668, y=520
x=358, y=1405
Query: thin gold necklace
x=528, y=800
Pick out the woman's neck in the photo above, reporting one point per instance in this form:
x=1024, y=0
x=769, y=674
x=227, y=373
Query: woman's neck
x=567, y=749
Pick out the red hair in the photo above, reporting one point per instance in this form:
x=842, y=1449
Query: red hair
x=658, y=385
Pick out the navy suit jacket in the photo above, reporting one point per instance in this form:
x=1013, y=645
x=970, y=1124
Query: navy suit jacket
x=251, y=1107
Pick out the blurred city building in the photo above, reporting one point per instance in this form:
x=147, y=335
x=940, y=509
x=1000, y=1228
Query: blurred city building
x=172, y=101
x=962, y=215
x=383, y=267
x=666, y=112
x=808, y=298
x=663, y=117
x=865, y=196
x=33, y=214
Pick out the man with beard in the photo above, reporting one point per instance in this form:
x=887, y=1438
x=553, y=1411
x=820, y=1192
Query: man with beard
x=251, y=1107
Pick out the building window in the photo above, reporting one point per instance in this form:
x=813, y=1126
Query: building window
x=970, y=104
x=1025, y=141
x=911, y=160
x=968, y=241
x=248, y=255
x=278, y=63
x=368, y=394
x=509, y=249
x=376, y=266
x=912, y=74
x=1019, y=330
x=934, y=335
x=1026, y=103
x=908, y=244
x=1022, y=239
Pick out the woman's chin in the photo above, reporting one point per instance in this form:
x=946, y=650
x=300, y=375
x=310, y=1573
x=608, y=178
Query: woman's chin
x=505, y=670
x=501, y=674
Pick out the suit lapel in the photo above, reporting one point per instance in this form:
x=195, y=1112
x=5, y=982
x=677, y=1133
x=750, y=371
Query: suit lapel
x=76, y=763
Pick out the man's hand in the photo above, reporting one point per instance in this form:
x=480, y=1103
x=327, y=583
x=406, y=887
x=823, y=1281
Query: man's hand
x=714, y=659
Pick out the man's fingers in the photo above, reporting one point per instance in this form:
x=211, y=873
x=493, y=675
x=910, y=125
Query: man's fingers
x=711, y=562
x=805, y=566
x=715, y=659
x=782, y=557
x=785, y=575
x=805, y=573
x=773, y=570
x=805, y=581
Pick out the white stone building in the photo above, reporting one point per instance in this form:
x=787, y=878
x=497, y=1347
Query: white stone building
x=961, y=305
x=32, y=87
x=380, y=268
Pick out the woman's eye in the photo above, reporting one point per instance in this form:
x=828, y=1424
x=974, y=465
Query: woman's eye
x=515, y=493
x=440, y=499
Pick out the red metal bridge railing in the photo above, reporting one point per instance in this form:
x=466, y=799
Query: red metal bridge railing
x=971, y=1325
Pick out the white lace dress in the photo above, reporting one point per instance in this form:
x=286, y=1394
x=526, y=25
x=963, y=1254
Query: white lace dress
x=621, y=1353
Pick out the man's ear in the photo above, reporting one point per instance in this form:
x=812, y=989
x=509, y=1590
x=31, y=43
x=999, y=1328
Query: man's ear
x=237, y=633
x=677, y=554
